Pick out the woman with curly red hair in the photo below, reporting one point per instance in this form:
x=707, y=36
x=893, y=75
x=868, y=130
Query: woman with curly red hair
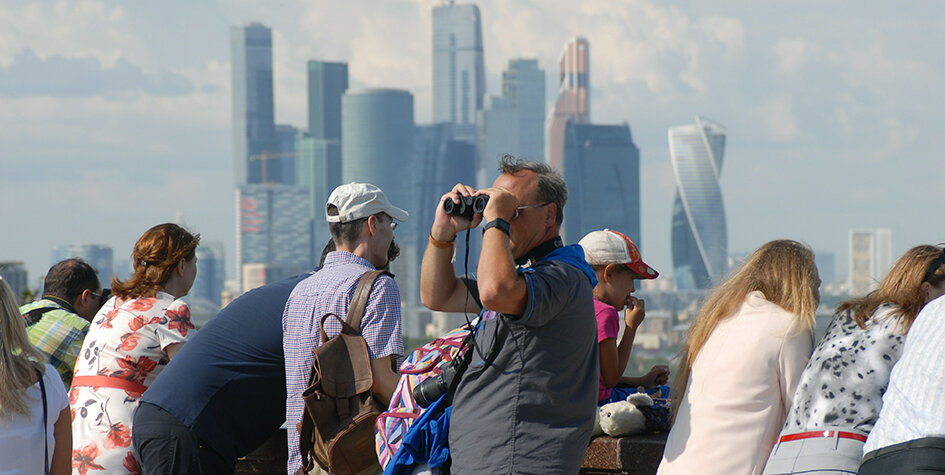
x=132, y=338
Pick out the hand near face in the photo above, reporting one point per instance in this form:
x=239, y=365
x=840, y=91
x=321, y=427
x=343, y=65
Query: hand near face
x=635, y=312
x=502, y=204
x=446, y=227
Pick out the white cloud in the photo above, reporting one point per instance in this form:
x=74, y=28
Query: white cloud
x=778, y=116
x=792, y=54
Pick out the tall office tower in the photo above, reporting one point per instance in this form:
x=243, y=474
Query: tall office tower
x=602, y=169
x=280, y=166
x=514, y=123
x=209, y=282
x=459, y=77
x=884, y=255
x=870, y=258
x=496, y=136
x=574, y=96
x=442, y=162
x=269, y=230
x=327, y=82
x=523, y=85
x=318, y=163
x=862, y=261
x=14, y=273
x=318, y=170
x=99, y=256
x=699, y=234
x=377, y=142
x=254, y=131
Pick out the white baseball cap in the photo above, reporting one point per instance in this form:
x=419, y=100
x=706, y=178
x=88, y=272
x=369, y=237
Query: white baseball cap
x=610, y=247
x=360, y=200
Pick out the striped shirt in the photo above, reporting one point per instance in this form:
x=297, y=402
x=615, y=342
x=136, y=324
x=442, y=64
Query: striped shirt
x=914, y=403
x=59, y=335
x=329, y=291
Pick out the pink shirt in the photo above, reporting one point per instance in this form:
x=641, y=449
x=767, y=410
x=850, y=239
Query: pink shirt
x=608, y=325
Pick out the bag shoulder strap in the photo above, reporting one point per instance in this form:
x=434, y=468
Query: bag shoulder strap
x=34, y=316
x=360, y=299
x=42, y=390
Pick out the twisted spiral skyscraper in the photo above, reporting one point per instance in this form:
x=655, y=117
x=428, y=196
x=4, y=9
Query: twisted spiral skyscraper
x=699, y=235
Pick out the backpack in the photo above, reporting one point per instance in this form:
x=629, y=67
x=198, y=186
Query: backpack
x=425, y=362
x=337, y=424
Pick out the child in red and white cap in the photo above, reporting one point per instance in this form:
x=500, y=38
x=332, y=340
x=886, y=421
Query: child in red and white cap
x=617, y=262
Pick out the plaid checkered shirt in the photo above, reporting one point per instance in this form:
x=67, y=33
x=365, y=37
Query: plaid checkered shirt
x=329, y=291
x=59, y=335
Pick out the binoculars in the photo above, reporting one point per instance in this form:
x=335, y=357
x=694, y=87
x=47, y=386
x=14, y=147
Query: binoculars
x=467, y=206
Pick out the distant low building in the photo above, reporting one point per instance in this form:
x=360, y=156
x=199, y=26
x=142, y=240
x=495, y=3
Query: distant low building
x=14, y=273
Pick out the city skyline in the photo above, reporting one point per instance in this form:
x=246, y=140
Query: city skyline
x=830, y=128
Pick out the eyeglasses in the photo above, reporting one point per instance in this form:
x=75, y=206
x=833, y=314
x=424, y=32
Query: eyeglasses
x=393, y=225
x=933, y=266
x=520, y=208
x=104, y=296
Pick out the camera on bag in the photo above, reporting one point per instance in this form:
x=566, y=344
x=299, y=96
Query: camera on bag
x=430, y=389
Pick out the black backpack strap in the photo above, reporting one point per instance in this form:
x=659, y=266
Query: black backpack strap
x=34, y=316
x=42, y=390
x=360, y=299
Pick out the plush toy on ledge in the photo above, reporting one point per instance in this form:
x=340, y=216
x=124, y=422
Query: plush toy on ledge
x=623, y=418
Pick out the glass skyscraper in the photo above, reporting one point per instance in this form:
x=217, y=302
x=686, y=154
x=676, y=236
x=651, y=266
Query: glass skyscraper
x=254, y=131
x=574, y=100
x=602, y=170
x=523, y=85
x=459, y=78
x=377, y=138
x=327, y=82
x=270, y=231
x=699, y=233
x=100, y=257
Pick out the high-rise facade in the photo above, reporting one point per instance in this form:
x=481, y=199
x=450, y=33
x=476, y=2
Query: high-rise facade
x=459, y=78
x=100, y=257
x=496, y=136
x=870, y=258
x=574, y=100
x=254, y=131
x=208, y=284
x=513, y=123
x=602, y=169
x=269, y=230
x=523, y=86
x=377, y=139
x=699, y=233
x=14, y=273
x=327, y=82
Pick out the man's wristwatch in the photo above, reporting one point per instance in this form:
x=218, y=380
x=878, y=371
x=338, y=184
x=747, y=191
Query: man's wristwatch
x=500, y=224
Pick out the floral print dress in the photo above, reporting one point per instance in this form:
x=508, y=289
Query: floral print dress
x=121, y=356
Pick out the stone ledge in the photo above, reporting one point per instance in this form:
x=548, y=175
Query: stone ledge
x=634, y=455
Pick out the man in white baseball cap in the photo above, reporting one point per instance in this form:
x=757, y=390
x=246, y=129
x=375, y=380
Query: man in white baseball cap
x=617, y=262
x=362, y=221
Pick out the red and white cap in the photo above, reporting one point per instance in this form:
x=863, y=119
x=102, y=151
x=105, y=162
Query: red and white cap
x=610, y=247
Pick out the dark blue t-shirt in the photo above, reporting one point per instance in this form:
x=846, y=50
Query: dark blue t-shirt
x=228, y=382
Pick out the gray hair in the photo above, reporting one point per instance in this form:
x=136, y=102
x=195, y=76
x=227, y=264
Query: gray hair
x=551, y=185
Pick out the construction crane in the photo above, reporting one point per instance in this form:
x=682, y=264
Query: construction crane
x=267, y=156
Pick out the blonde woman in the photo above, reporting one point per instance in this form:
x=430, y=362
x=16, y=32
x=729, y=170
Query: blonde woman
x=741, y=362
x=28, y=391
x=841, y=391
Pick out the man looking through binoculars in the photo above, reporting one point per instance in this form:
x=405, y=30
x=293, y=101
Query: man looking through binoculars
x=531, y=409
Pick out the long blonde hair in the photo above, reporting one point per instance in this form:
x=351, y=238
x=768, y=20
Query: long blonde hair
x=901, y=286
x=782, y=270
x=19, y=360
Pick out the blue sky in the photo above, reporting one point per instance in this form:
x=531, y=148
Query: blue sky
x=115, y=116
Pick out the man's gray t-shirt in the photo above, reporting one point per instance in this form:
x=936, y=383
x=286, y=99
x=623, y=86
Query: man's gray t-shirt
x=532, y=409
